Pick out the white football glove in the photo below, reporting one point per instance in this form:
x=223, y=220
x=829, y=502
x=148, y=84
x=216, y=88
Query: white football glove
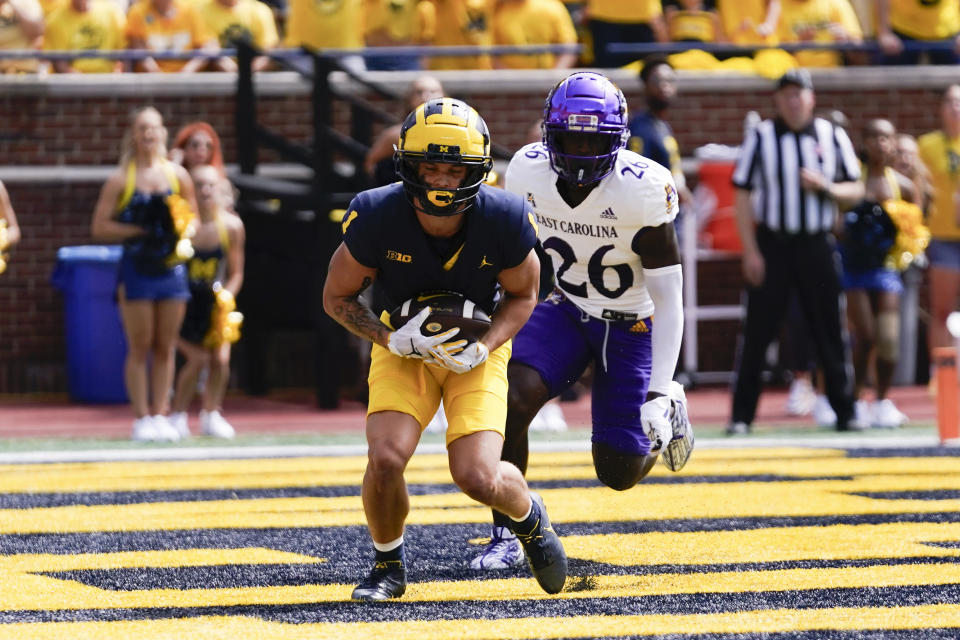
x=677, y=452
x=457, y=358
x=655, y=420
x=409, y=342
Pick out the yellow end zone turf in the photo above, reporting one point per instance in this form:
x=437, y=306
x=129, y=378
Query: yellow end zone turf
x=723, y=543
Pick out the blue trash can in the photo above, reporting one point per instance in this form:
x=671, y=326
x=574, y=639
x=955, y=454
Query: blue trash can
x=96, y=347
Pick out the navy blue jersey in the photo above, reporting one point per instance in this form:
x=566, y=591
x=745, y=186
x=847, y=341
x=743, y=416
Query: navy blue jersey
x=653, y=138
x=381, y=230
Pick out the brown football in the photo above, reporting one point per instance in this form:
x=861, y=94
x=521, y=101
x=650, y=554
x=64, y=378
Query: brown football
x=448, y=310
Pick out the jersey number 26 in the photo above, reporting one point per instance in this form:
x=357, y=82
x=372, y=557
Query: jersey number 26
x=595, y=270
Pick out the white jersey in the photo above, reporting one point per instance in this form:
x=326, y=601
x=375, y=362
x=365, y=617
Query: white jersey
x=591, y=245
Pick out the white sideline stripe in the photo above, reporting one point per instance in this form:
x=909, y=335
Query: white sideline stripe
x=301, y=451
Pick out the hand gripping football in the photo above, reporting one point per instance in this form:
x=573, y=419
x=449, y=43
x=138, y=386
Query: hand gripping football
x=448, y=310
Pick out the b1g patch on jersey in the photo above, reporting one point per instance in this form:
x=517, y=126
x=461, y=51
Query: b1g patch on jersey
x=397, y=256
x=671, y=196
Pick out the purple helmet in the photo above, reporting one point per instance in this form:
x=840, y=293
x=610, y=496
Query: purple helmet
x=584, y=126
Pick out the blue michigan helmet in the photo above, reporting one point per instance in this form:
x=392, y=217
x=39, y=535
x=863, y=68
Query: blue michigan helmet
x=584, y=127
x=443, y=130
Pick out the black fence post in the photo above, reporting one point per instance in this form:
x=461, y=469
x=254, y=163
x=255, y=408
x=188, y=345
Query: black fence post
x=246, y=110
x=331, y=337
x=322, y=123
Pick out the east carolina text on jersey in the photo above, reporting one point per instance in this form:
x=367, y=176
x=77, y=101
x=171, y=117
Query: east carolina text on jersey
x=577, y=228
x=591, y=245
x=381, y=231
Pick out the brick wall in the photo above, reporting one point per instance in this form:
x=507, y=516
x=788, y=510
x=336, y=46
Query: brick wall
x=77, y=121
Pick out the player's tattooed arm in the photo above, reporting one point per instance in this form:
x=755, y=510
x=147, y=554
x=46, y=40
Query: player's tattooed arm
x=357, y=317
x=346, y=280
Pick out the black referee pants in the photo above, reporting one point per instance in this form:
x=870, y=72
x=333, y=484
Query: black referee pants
x=810, y=265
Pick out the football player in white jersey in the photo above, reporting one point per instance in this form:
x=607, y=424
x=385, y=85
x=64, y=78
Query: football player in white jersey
x=605, y=218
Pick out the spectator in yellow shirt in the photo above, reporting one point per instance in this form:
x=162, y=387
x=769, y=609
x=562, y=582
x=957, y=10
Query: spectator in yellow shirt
x=460, y=23
x=900, y=21
x=940, y=152
x=818, y=21
x=529, y=22
x=86, y=25
x=393, y=23
x=623, y=22
x=750, y=22
x=21, y=27
x=168, y=25
x=327, y=25
x=234, y=20
x=693, y=21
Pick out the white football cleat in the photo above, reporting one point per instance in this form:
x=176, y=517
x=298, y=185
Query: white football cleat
x=502, y=552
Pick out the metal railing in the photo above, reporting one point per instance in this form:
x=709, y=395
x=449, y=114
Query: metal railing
x=866, y=46
x=639, y=48
x=280, y=54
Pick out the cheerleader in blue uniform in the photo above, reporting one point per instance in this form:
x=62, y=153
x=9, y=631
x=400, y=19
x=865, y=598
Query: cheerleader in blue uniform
x=871, y=280
x=144, y=205
x=215, y=274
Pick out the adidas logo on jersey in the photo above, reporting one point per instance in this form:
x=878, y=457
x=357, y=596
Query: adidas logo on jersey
x=608, y=214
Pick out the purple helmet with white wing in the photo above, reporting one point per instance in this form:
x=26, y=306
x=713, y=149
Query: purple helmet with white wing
x=584, y=127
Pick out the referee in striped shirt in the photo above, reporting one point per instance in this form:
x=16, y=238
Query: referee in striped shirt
x=791, y=173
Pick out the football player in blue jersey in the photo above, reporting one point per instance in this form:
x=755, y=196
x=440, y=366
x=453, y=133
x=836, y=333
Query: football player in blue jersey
x=441, y=228
x=606, y=221
x=650, y=134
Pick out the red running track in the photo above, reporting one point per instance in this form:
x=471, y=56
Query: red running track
x=293, y=412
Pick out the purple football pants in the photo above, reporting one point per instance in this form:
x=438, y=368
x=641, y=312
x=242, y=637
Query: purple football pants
x=559, y=341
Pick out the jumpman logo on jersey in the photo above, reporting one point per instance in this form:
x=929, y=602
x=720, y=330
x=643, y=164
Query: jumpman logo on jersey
x=484, y=263
x=530, y=199
x=608, y=214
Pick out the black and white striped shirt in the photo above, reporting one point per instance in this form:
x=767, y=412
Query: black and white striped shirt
x=769, y=164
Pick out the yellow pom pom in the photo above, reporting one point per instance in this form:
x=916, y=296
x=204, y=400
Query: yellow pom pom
x=3, y=263
x=231, y=328
x=224, y=325
x=225, y=301
x=912, y=235
x=184, y=223
x=4, y=235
